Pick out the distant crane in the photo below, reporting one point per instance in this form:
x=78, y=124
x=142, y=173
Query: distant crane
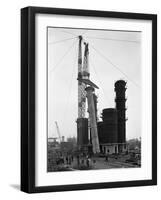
x=58, y=131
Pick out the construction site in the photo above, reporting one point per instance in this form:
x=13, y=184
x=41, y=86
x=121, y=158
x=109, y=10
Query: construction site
x=100, y=142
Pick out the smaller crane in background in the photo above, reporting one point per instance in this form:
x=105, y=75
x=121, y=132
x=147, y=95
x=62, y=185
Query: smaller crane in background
x=58, y=131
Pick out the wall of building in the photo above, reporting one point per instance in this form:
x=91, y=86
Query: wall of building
x=109, y=148
x=113, y=127
x=107, y=129
x=107, y=132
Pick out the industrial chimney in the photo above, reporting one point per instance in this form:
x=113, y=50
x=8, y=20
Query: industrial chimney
x=120, y=89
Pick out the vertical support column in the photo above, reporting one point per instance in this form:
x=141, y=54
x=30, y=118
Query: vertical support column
x=92, y=117
x=95, y=105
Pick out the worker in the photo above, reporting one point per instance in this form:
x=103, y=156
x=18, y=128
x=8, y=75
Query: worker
x=72, y=158
x=94, y=163
x=82, y=161
x=78, y=160
x=107, y=155
x=67, y=159
x=87, y=161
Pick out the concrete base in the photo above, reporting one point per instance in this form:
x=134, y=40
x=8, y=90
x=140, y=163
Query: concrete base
x=114, y=148
x=107, y=148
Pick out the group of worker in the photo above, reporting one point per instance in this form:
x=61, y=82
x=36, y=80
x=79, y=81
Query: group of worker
x=85, y=161
x=78, y=160
x=68, y=160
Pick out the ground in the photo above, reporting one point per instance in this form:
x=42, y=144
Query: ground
x=97, y=163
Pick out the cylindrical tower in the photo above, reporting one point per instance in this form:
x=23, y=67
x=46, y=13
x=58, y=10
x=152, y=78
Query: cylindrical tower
x=92, y=118
x=107, y=129
x=82, y=132
x=95, y=104
x=109, y=115
x=120, y=89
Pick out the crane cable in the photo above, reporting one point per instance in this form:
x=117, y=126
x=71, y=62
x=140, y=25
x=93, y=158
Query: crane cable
x=68, y=32
x=64, y=55
x=112, y=39
x=75, y=34
x=109, y=61
x=70, y=88
x=99, y=80
x=59, y=41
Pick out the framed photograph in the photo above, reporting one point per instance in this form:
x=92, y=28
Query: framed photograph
x=88, y=99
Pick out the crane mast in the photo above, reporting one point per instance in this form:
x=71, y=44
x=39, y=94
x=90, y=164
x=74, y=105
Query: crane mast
x=86, y=92
x=81, y=86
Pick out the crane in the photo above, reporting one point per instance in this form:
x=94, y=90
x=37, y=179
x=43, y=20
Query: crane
x=86, y=90
x=58, y=131
x=81, y=85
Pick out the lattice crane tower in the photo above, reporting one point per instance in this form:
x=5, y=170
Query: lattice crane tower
x=86, y=90
x=81, y=86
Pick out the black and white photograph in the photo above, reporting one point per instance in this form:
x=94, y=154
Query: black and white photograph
x=89, y=99
x=94, y=99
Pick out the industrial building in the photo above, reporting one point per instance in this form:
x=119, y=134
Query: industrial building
x=112, y=128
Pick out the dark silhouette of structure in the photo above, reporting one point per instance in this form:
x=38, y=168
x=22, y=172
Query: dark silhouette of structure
x=108, y=127
x=112, y=128
x=82, y=132
x=120, y=89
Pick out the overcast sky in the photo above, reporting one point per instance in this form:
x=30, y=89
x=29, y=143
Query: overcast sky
x=113, y=55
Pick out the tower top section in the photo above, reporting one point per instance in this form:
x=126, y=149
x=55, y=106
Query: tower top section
x=120, y=83
x=80, y=37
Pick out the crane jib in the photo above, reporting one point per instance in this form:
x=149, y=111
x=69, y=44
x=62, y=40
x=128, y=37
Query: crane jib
x=88, y=82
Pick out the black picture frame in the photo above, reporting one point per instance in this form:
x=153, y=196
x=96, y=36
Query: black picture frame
x=28, y=98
